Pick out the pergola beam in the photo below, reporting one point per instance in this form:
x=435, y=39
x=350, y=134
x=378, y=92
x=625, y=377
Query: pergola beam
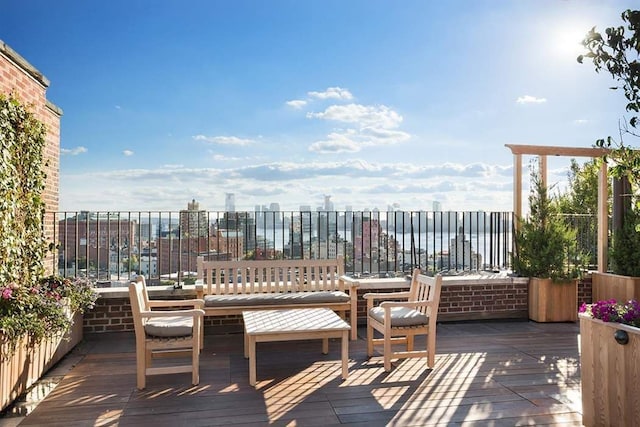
x=550, y=150
x=542, y=151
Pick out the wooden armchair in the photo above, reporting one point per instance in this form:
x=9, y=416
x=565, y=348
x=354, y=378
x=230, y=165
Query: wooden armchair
x=165, y=333
x=400, y=321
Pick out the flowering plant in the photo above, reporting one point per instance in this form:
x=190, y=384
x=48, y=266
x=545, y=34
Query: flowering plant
x=627, y=313
x=41, y=309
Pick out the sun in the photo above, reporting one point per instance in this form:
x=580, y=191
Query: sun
x=566, y=40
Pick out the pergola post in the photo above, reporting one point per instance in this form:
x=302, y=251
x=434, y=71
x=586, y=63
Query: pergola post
x=603, y=217
x=517, y=189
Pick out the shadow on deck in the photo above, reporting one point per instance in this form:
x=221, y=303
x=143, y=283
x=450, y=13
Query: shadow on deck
x=487, y=373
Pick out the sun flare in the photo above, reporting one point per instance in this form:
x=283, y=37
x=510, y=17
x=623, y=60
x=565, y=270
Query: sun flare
x=566, y=41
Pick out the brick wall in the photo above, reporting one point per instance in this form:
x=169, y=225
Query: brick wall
x=460, y=300
x=29, y=85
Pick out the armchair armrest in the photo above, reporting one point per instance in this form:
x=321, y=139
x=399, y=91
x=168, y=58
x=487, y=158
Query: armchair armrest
x=159, y=314
x=195, y=303
x=385, y=295
x=408, y=304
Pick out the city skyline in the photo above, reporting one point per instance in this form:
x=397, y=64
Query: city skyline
x=373, y=103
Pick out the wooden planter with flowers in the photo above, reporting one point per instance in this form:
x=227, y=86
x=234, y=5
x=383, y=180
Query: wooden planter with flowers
x=22, y=367
x=609, y=368
x=39, y=325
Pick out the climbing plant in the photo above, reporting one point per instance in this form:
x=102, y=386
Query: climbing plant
x=22, y=182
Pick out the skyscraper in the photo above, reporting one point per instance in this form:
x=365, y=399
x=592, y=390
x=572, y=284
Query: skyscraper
x=229, y=202
x=193, y=221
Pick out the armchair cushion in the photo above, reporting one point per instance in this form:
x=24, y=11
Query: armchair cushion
x=400, y=316
x=169, y=327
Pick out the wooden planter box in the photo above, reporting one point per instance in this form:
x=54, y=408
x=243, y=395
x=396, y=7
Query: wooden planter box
x=606, y=286
x=551, y=301
x=28, y=363
x=610, y=374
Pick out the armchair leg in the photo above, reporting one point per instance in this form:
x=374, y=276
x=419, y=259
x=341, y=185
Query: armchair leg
x=141, y=368
x=387, y=352
x=369, y=339
x=431, y=349
x=195, y=361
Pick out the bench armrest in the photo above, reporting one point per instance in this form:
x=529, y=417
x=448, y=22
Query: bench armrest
x=353, y=283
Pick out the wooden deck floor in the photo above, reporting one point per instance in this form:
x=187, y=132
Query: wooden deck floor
x=488, y=374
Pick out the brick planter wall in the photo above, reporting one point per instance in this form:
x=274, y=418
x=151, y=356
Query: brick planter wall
x=462, y=299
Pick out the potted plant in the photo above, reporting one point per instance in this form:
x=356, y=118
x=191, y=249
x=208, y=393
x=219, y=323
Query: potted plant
x=39, y=324
x=616, y=51
x=610, y=344
x=546, y=252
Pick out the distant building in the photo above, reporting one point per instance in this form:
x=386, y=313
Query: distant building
x=94, y=240
x=193, y=221
x=230, y=202
x=461, y=256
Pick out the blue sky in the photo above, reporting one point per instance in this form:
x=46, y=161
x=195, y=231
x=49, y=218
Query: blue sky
x=375, y=103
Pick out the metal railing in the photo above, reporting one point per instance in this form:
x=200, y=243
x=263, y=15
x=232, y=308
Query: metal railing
x=112, y=247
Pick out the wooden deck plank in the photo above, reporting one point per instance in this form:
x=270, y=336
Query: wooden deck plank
x=498, y=373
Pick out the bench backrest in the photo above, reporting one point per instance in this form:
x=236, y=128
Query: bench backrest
x=250, y=277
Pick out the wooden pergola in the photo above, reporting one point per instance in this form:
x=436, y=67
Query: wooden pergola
x=542, y=152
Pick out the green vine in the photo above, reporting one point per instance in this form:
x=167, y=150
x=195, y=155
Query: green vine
x=22, y=240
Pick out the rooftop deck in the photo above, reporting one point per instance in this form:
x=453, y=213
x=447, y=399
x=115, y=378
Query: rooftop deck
x=487, y=373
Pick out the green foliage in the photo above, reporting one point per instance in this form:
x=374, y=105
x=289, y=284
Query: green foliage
x=79, y=292
x=22, y=181
x=545, y=246
x=28, y=305
x=579, y=205
x=618, y=52
x=581, y=196
x=42, y=309
x=625, y=251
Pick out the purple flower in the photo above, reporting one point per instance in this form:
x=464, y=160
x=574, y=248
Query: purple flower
x=611, y=311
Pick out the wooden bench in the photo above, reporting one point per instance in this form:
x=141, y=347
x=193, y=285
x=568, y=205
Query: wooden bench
x=231, y=287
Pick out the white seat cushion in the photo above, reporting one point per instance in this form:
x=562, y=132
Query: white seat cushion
x=275, y=299
x=400, y=316
x=169, y=327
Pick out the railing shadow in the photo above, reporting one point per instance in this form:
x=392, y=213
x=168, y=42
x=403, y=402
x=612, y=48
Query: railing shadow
x=500, y=373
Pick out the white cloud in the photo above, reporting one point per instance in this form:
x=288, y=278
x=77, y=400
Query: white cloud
x=73, y=151
x=332, y=93
x=297, y=103
x=382, y=136
x=118, y=107
x=224, y=140
x=335, y=143
x=351, y=182
x=378, y=116
x=528, y=99
x=127, y=153
x=580, y=121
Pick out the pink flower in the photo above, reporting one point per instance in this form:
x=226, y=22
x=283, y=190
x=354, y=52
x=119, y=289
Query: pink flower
x=6, y=293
